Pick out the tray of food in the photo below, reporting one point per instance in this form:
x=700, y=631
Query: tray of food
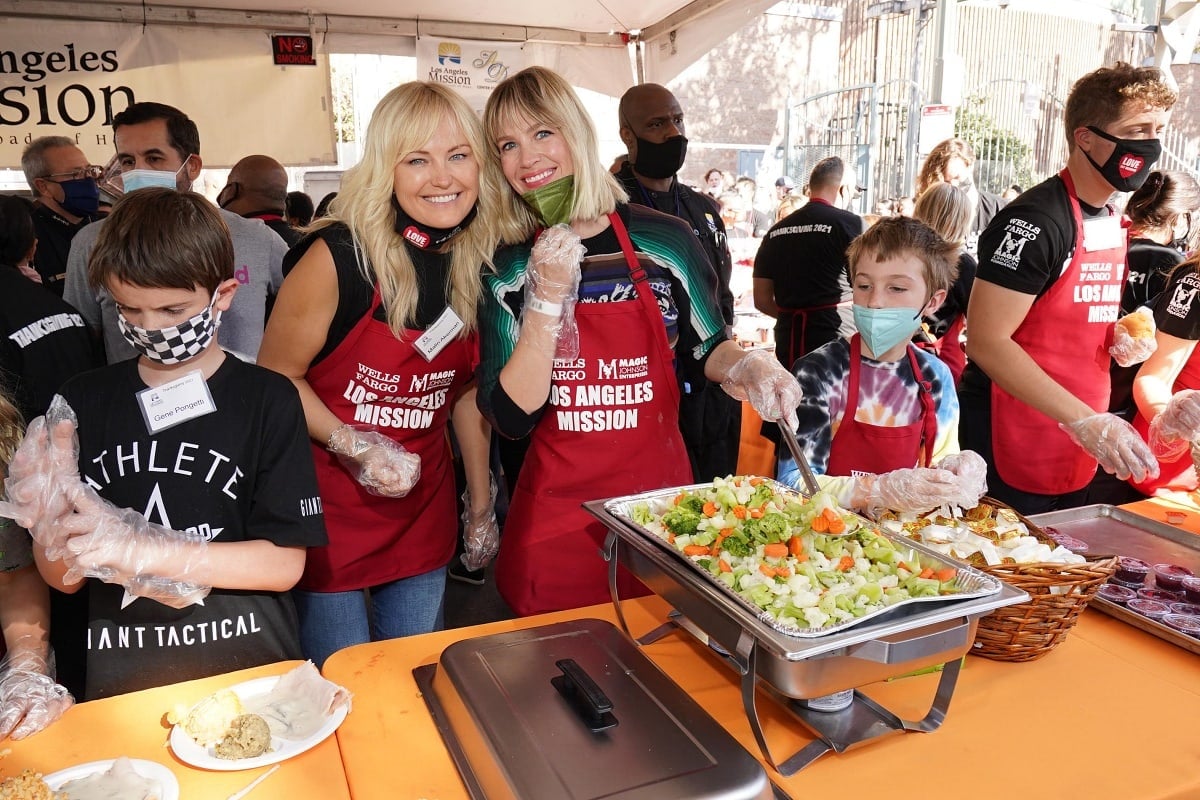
x=125, y=778
x=1155, y=587
x=803, y=566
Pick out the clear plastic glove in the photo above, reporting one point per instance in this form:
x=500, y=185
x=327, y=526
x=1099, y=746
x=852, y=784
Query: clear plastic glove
x=1173, y=431
x=1115, y=444
x=481, y=532
x=1133, y=337
x=918, y=489
x=552, y=288
x=119, y=545
x=43, y=468
x=29, y=698
x=773, y=391
x=382, y=466
x=971, y=471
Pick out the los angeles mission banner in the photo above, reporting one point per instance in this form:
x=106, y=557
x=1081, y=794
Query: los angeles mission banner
x=65, y=78
x=472, y=67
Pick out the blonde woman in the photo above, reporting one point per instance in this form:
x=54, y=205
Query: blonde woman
x=580, y=353
x=947, y=209
x=376, y=326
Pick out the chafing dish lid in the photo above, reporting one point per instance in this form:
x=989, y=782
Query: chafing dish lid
x=525, y=738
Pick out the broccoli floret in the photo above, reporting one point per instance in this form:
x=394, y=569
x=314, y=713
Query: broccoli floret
x=771, y=527
x=681, y=521
x=736, y=546
x=692, y=503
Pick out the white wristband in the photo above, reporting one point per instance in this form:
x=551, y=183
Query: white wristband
x=543, y=307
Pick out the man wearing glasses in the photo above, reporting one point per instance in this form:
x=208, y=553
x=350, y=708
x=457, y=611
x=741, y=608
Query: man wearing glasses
x=66, y=197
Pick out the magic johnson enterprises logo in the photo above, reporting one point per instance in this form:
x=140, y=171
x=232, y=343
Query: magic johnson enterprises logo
x=1017, y=234
x=606, y=399
x=390, y=400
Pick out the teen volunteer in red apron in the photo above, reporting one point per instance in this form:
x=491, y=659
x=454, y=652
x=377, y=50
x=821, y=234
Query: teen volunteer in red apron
x=1031, y=452
x=377, y=379
x=549, y=553
x=860, y=447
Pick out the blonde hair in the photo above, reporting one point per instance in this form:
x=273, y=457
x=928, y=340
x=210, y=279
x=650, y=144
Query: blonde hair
x=405, y=120
x=539, y=95
x=947, y=209
x=12, y=428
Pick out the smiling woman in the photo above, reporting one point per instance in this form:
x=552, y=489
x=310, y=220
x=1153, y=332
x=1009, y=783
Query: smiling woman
x=387, y=285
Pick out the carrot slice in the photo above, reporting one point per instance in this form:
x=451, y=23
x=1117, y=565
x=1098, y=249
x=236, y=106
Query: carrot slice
x=739, y=512
x=724, y=565
x=837, y=525
x=767, y=569
x=845, y=563
x=782, y=572
x=829, y=514
x=756, y=513
x=820, y=524
x=679, y=498
x=945, y=574
x=926, y=573
x=710, y=509
x=755, y=481
x=695, y=550
x=775, y=550
x=796, y=546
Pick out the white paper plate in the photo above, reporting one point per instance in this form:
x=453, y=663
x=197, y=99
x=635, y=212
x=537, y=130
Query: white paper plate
x=168, y=787
x=190, y=752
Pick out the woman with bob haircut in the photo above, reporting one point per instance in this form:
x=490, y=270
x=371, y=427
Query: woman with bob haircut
x=596, y=311
x=376, y=325
x=947, y=209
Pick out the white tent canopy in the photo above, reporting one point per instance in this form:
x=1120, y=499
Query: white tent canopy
x=587, y=40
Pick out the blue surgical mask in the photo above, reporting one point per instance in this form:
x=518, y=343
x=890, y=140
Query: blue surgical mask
x=136, y=179
x=884, y=328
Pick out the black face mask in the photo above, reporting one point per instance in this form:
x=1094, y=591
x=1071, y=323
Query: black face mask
x=1130, y=163
x=423, y=236
x=660, y=160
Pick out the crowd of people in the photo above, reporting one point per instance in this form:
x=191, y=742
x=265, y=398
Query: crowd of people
x=254, y=431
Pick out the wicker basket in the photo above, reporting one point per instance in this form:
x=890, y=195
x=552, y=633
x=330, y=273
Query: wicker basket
x=1058, y=594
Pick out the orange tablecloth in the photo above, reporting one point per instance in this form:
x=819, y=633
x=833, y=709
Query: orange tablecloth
x=132, y=725
x=1111, y=713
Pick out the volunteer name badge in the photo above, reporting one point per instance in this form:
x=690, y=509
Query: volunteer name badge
x=1102, y=233
x=175, y=402
x=439, y=334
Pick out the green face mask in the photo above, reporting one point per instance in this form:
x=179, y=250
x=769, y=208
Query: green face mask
x=554, y=201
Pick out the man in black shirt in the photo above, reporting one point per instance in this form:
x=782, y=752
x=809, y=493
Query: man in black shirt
x=800, y=275
x=652, y=129
x=66, y=198
x=257, y=189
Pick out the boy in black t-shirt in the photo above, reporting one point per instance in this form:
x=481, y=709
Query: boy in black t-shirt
x=193, y=496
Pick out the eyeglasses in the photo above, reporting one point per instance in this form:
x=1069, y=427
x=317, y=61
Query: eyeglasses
x=79, y=173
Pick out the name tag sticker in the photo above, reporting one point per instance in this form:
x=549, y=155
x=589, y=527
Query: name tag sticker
x=175, y=402
x=1102, y=233
x=439, y=334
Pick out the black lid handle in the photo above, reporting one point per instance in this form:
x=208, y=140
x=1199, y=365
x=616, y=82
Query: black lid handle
x=584, y=695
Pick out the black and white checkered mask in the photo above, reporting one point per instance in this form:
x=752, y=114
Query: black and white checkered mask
x=176, y=344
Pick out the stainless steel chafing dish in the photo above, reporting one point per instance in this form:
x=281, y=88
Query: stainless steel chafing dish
x=792, y=668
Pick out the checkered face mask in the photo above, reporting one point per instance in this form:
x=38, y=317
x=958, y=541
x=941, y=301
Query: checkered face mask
x=176, y=344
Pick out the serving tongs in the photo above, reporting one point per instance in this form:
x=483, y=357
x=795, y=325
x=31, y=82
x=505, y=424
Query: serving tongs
x=789, y=436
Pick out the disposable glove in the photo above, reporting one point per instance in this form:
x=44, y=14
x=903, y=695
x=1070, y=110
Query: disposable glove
x=1133, y=338
x=29, y=698
x=551, y=290
x=1115, y=444
x=918, y=489
x=971, y=471
x=383, y=467
x=1173, y=430
x=773, y=391
x=119, y=545
x=481, y=532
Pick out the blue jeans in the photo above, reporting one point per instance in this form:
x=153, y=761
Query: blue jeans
x=330, y=621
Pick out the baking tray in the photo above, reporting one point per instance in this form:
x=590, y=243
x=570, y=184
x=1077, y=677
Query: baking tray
x=1109, y=529
x=972, y=582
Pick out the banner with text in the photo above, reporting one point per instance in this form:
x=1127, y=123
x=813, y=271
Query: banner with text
x=60, y=79
x=472, y=67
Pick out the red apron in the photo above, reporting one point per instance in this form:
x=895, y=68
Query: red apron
x=859, y=447
x=1178, y=474
x=1066, y=332
x=796, y=345
x=372, y=377
x=612, y=428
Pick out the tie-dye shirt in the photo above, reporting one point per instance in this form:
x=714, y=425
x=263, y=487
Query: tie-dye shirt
x=887, y=396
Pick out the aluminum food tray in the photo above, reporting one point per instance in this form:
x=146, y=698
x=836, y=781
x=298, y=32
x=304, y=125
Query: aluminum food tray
x=793, y=668
x=972, y=582
x=1109, y=529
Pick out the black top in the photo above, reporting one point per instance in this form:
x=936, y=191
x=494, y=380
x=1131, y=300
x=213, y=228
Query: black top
x=355, y=292
x=54, y=235
x=45, y=342
x=1149, y=264
x=240, y=473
